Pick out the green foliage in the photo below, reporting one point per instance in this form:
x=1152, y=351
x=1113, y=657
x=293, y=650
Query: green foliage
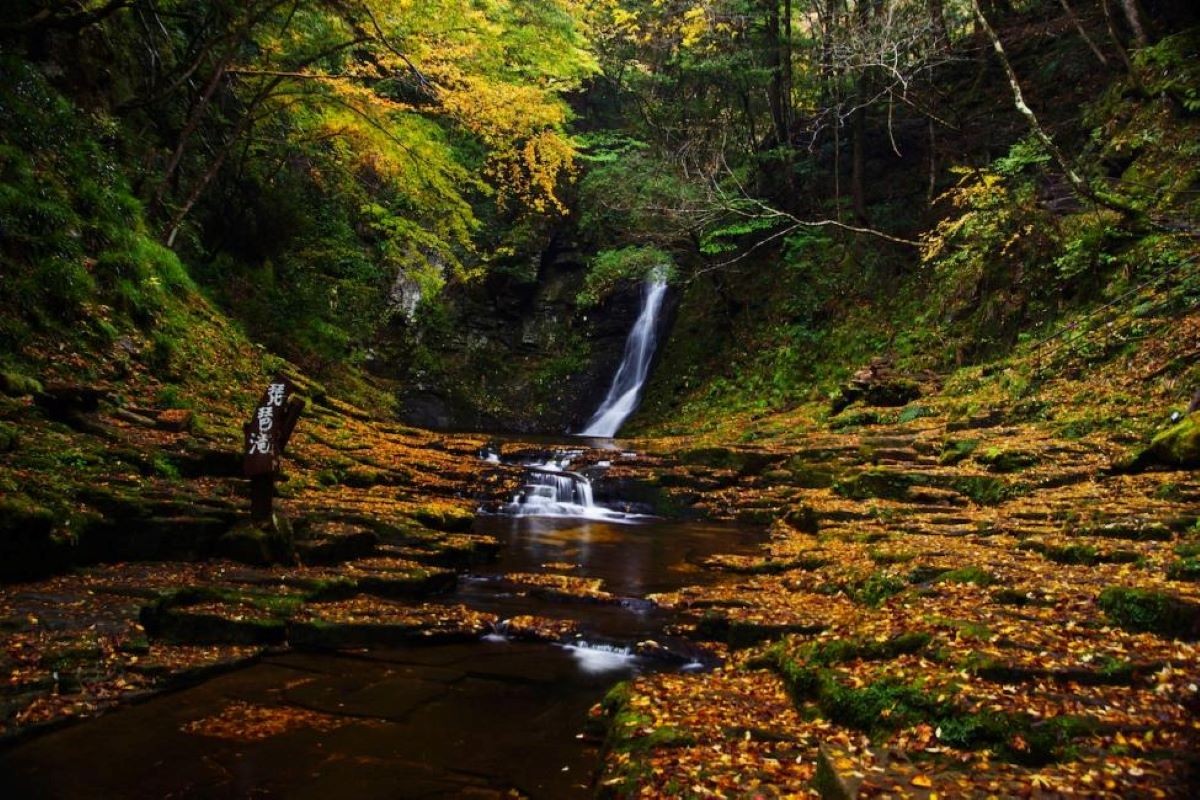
x=75, y=248
x=1184, y=569
x=611, y=267
x=725, y=238
x=1172, y=66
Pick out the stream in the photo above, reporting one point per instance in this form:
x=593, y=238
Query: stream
x=476, y=719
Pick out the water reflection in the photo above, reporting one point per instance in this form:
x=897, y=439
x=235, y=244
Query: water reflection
x=658, y=555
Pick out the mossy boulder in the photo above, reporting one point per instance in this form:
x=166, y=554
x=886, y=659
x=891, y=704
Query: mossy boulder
x=996, y=459
x=1145, y=610
x=9, y=437
x=743, y=461
x=364, y=477
x=259, y=544
x=1177, y=446
x=445, y=517
x=876, y=483
x=27, y=545
x=14, y=384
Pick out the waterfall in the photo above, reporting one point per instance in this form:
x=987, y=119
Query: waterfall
x=551, y=491
x=626, y=388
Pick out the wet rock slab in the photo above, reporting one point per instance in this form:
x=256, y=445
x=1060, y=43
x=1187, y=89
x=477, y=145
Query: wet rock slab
x=384, y=726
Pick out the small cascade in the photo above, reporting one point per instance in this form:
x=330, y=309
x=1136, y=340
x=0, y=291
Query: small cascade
x=597, y=657
x=549, y=489
x=626, y=389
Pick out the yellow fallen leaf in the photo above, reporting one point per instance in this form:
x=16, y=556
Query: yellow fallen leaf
x=923, y=781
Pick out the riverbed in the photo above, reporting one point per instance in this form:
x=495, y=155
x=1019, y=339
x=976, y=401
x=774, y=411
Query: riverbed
x=478, y=719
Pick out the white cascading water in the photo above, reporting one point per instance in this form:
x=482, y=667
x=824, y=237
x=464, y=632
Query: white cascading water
x=551, y=490
x=626, y=388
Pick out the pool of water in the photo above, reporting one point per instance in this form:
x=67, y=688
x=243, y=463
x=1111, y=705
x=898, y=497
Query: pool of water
x=467, y=720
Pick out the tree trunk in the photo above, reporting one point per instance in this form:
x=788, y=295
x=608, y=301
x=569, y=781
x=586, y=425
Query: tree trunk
x=1133, y=15
x=858, y=132
x=1122, y=53
x=1079, y=184
x=937, y=18
x=780, y=91
x=1083, y=32
x=189, y=128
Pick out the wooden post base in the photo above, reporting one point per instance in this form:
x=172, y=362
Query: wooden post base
x=262, y=495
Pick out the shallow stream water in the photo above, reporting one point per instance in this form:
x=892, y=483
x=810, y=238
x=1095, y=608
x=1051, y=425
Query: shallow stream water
x=464, y=720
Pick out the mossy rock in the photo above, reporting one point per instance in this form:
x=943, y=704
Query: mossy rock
x=226, y=618
x=444, y=517
x=327, y=543
x=998, y=460
x=1177, y=446
x=892, y=393
x=717, y=457
x=1184, y=569
x=1131, y=529
x=10, y=437
x=28, y=548
x=984, y=490
x=15, y=384
x=809, y=474
x=803, y=518
x=363, y=477
x=259, y=545
x=180, y=626
x=739, y=634
x=855, y=419
x=1149, y=611
x=876, y=483
x=956, y=450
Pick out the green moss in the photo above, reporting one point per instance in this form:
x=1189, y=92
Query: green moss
x=1152, y=612
x=984, y=490
x=1184, y=569
x=1177, y=446
x=1188, y=549
x=10, y=437
x=975, y=575
x=876, y=588
x=876, y=483
x=363, y=477
x=14, y=384
x=1015, y=737
x=954, y=451
x=999, y=460
x=444, y=517
x=1084, y=554
x=886, y=558
x=887, y=705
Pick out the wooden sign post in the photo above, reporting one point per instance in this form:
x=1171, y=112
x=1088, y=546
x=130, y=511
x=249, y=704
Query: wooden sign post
x=265, y=437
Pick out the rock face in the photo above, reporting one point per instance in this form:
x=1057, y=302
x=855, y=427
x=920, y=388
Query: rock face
x=514, y=353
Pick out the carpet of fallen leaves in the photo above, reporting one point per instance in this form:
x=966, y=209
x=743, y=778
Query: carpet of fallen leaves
x=247, y=722
x=998, y=570
x=382, y=511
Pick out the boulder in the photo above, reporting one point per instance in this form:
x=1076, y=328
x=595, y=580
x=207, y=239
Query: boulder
x=1177, y=447
x=15, y=384
x=64, y=400
x=876, y=385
